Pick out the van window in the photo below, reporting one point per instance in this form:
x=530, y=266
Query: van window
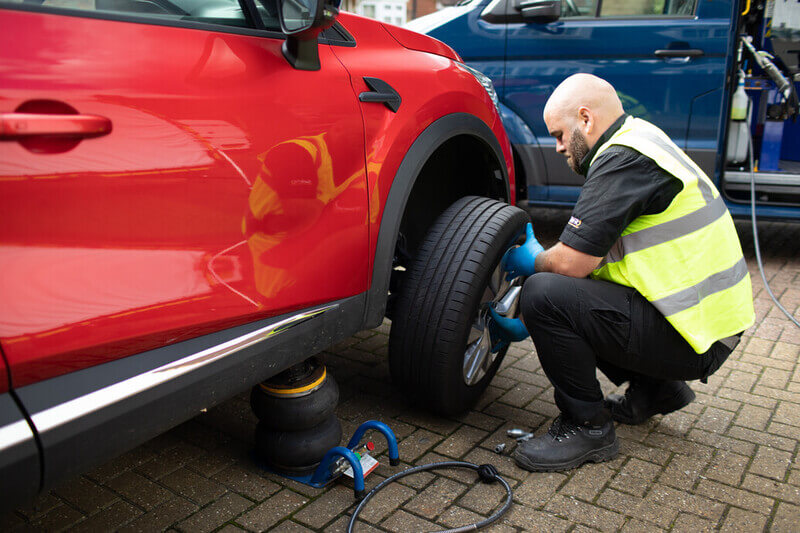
x=617, y=8
x=578, y=8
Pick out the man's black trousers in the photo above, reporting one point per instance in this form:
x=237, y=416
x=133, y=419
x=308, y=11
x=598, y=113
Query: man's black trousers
x=580, y=324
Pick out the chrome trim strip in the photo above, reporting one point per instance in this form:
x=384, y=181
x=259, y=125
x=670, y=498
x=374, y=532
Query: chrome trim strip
x=14, y=434
x=687, y=298
x=763, y=178
x=81, y=406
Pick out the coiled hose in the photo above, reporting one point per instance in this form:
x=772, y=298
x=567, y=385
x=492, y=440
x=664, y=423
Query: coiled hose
x=487, y=473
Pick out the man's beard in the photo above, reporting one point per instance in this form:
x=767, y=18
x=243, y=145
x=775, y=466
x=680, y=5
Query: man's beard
x=578, y=148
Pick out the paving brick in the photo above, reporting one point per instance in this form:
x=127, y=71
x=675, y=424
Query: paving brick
x=272, y=511
x=689, y=523
x=521, y=394
x=720, y=442
x=161, y=517
x=786, y=518
x=586, y=482
x=762, y=437
x=57, y=519
x=435, y=498
x=776, y=489
x=738, y=397
x=524, y=418
x=460, y=442
x=685, y=501
x=326, y=508
x=216, y=514
x=740, y=498
x=771, y=463
x=643, y=452
x=743, y=521
x=683, y=471
x=230, y=528
x=246, y=483
x=40, y=505
x=87, y=496
x=417, y=444
x=403, y=521
x=753, y=417
x=527, y=519
x=584, y=513
x=386, y=502
x=715, y=420
x=727, y=467
x=538, y=488
x=132, y=459
x=483, y=498
x=638, y=526
x=456, y=516
x=632, y=506
x=109, y=519
x=481, y=421
x=340, y=526
x=193, y=486
x=287, y=526
x=140, y=490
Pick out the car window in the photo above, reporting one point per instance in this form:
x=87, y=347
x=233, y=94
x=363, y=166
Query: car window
x=225, y=12
x=616, y=8
x=578, y=8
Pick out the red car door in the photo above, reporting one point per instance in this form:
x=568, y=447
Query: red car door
x=164, y=173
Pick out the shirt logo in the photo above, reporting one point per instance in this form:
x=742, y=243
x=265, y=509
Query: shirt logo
x=574, y=222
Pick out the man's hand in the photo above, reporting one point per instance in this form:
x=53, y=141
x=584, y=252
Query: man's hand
x=520, y=261
x=505, y=330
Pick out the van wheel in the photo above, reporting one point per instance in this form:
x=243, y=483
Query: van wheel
x=440, y=351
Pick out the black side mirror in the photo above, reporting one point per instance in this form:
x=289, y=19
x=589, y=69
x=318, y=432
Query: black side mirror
x=302, y=21
x=541, y=11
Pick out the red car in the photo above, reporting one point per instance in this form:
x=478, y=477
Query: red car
x=197, y=194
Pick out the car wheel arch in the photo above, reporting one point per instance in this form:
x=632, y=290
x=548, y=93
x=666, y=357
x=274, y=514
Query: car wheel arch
x=415, y=170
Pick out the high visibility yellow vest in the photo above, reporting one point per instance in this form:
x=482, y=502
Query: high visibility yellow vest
x=686, y=260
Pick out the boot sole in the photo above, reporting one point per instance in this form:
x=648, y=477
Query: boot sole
x=600, y=455
x=680, y=400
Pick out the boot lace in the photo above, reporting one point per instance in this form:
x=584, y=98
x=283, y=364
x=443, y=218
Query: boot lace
x=562, y=429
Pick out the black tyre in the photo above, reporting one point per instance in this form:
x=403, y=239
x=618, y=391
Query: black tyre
x=439, y=348
x=291, y=413
x=297, y=452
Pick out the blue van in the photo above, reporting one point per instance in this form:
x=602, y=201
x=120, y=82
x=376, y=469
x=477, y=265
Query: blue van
x=676, y=63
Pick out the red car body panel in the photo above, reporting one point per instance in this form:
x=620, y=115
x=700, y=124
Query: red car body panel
x=456, y=92
x=194, y=213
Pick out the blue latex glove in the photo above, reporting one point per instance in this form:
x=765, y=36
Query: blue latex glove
x=520, y=261
x=504, y=330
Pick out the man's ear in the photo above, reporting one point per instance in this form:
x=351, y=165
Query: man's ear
x=586, y=120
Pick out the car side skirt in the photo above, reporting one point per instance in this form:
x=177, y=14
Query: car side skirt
x=87, y=417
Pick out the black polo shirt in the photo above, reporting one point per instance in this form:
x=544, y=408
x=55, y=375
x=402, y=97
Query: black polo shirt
x=621, y=185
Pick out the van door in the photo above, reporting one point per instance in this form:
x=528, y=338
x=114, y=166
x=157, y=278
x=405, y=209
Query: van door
x=666, y=58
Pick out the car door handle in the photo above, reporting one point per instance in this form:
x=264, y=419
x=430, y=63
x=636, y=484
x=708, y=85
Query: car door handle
x=381, y=93
x=22, y=125
x=690, y=52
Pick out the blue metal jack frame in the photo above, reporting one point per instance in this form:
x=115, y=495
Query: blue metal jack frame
x=322, y=476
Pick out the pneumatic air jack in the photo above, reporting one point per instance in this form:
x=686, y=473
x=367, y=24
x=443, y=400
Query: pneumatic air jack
x=351, y=461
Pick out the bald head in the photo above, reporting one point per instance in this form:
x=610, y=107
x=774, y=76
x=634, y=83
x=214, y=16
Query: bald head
x=586, y=102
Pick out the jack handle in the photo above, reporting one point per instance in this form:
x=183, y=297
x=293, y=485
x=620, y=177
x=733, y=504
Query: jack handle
x=322, y=472
x=391, y=440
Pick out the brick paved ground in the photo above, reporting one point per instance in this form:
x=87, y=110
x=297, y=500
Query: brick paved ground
x=727, y=462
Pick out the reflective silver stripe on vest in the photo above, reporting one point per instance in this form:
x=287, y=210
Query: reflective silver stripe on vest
x=679, y=156
x=686, y=298
x=666, y=231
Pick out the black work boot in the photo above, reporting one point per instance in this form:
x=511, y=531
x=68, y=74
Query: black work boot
x=644, y=399
x=568, y=445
